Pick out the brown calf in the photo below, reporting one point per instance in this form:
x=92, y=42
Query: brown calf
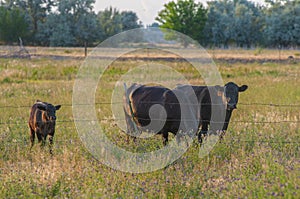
x=42, y=122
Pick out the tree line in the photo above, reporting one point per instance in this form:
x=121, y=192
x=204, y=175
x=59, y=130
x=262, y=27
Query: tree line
x=61, y=22
x=222, y=23
x=239, y=23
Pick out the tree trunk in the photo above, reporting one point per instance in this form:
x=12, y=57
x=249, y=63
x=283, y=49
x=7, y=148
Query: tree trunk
x=85, y=48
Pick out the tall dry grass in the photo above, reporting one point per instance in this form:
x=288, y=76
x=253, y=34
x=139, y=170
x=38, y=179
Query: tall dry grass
x=258, y=158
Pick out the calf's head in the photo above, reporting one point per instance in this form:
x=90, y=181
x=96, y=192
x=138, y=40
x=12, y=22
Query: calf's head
x=49, y=109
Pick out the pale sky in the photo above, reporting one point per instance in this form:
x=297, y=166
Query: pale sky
x=146, y=10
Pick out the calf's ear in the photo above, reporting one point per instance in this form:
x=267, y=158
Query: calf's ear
x=243, y=88
x=57, y=107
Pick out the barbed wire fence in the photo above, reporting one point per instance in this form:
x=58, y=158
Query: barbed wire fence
x=24, y=122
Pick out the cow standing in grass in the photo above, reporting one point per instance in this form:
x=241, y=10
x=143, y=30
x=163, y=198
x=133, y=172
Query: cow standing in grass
x=212, y=109
x=158, y=110
x=215, y=105
x=42, y=122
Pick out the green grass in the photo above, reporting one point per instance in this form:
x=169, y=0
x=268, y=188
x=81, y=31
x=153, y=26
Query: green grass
x=255, y=160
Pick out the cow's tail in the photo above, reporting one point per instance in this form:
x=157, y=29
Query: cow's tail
x=127, y=98
x=129, y=104
x=126, y=93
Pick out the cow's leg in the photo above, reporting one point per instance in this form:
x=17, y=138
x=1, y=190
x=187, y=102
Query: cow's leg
x=130, y=129
x=32, y=137
x=222, y=134
x=203, y=132
x=223, y=131
x=130, y=133
x=51, y=144
x=165, y=138
x=225, y=126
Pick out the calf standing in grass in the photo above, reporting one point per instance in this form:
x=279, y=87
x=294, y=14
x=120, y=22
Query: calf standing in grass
x=42, y=122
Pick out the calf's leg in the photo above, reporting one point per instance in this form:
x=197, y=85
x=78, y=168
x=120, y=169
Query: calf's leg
x=51, y=144
x=41, y=139
x=32, y=137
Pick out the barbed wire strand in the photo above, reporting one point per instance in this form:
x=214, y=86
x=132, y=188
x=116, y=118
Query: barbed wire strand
x=26, y=141
x=154, y=119
x=157, y=102
x=115, y=119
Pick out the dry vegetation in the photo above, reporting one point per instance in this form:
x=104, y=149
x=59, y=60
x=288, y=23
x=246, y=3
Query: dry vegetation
x=258, y=54
x=259, y=157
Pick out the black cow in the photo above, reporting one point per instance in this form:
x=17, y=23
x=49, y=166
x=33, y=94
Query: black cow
x=157, y=109
x=216, y=104
x=42, y=122
x=203, y=106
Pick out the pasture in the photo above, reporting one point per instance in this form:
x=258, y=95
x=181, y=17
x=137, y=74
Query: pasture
x=258, y=158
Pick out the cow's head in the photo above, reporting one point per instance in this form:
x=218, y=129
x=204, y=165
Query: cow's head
x=49, y=109
x=231, y=91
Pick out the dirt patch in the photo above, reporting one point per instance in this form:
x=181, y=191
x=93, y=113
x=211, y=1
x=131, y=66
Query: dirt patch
x=166, y=59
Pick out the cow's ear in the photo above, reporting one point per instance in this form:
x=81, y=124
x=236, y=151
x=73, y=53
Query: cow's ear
x=220, y=90
x=57, y=107
x=41, y=107
x=220, y=93
x=243, y=88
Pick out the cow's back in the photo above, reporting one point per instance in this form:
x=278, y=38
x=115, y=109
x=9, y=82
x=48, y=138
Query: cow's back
x=198, y=91
x=148, y=94
x=143, y=98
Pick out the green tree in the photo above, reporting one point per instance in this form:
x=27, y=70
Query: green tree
x=74, y=24
x=111, y=21
x=12, y=24
x=248, y=23
x=56, y=31
x=282, y=24
x=237, y=22
x=185, y=16
x=219, y=26
x=129, y=20
x=36, y=12
x=83, y=20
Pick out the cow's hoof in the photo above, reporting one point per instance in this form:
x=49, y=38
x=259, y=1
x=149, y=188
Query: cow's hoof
x=221, y=135
x=200, y=140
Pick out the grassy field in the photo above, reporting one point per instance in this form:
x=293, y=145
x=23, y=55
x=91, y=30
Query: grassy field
x=259, y=157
